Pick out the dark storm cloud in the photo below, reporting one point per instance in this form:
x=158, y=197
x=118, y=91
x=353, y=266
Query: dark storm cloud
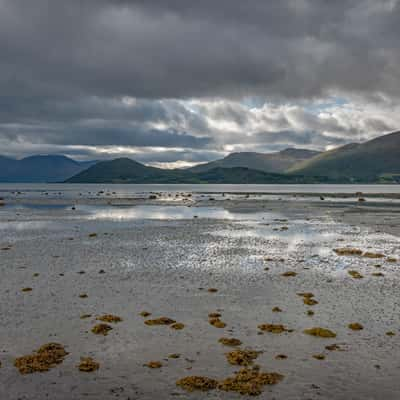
x=66, y=66
x=183, y=48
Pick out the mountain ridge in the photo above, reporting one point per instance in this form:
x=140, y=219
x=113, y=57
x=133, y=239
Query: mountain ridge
x=40, y=168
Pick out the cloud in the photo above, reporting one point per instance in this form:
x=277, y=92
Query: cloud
x=203, y=77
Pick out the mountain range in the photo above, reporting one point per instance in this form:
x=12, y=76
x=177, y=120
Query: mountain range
x=40, y=168
x=374, y=161
x=277, y=162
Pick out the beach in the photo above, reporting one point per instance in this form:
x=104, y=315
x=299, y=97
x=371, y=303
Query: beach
x=101, y=254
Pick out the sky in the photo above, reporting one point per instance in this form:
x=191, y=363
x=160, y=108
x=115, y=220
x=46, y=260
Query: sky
x=179, y=82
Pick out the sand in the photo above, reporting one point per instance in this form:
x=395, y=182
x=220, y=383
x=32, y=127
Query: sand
x=166, y=266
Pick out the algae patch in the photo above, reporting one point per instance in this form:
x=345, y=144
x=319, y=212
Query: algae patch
x=154, y=364
x=249, y=381
x=230, y=342
x=109, y=318
x=101, y=329
x=320, y=332
x=87, y=364
x=160, y=321
x=242, y=357
x=355, y=326
x=192, y=383
x=355, y=274
x=42, y=360
x=348, y=251
x=273, y=328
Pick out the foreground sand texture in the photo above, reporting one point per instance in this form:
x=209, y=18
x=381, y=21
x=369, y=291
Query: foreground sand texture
x=306, y=326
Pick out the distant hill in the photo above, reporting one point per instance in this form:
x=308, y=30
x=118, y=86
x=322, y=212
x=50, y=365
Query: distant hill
x=270, y=162
x=375, y=160
x=40, y=168
x=125, y=170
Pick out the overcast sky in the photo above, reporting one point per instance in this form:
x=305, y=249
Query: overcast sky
x=177, y=82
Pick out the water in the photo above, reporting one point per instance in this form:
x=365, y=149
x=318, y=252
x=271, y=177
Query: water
x=73, y=191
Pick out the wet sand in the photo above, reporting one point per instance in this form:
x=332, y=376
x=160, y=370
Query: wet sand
x=165, y=265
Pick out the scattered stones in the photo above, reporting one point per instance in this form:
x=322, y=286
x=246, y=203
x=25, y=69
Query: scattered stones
x=242, y=357
x=42, y=360
x=159, y=321
x=273, y=328
x=177, y=326
x=348, y=251
x=109, y=318
x=320, y=332
x=355, y=326
x=355, y=274
x=101, y=329
x=154, y=364
x=192, y=383
x=87, y=364
x=230, y=342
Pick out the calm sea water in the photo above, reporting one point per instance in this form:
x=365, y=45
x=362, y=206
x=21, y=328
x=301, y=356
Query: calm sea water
x=126, y=190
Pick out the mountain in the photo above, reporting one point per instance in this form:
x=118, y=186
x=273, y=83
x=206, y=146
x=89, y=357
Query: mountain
x=125, y=170
x=375, y=160
x=40, y=168
x=270, y=162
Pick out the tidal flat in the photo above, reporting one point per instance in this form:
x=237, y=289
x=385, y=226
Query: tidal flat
x=173, y=275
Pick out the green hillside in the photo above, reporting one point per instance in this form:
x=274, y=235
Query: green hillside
x=371, y=161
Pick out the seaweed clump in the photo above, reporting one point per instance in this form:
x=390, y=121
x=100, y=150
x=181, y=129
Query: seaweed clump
x=192, y=383
x=369, y=254
x=273, y=328
x=177, y=326
x=242, y=357
x=145, y=314
x=42, y=360
x=355, y=326
x=217, y=323
x=319, y=356
x=160, y=321
x=320, y=332
x=230, y=342
x=288, y=274
x=26, y=289
x=101, y=329
x=109, y=318
x=87, y=364
x=154, y=364
x=348, y=251
x=249, y=381
x=355, y=274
